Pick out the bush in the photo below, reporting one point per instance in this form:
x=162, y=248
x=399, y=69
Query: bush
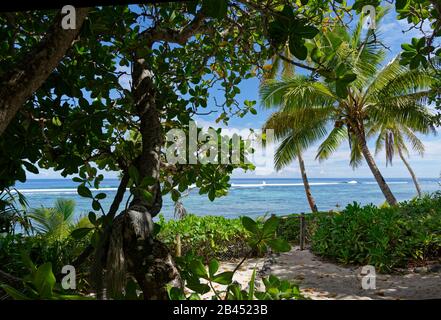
x=208, y=237
x=40, y=251
x=387, y=237
x=289, y=227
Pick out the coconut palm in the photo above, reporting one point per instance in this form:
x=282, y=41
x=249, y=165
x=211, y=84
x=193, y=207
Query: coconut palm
x=289, y=148
x=287, y=151
x=392, y=138
x=362, y=95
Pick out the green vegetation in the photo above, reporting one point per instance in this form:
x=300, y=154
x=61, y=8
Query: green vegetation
x=261, y=237
x=365, y=95
x=387, y=237
x=208, y=237
x=110, y=90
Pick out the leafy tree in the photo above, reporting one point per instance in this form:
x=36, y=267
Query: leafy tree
x=139, y=70
x=361, y=96
x=31, y=49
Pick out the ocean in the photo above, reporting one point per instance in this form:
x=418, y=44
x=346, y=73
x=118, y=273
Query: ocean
x=251, y=197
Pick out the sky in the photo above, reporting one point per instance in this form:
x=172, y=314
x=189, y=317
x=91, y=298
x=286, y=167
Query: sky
x=338, y=165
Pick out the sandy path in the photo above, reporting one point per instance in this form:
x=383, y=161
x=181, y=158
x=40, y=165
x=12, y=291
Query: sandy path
x=323, y=280
x=319, y=279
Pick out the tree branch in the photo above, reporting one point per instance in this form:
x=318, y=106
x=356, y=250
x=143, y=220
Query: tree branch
x=174, y=36
x=18, y=85
x=300, y=65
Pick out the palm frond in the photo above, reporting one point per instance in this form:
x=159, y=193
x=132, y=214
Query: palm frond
x=296, y=92
x=331, y=143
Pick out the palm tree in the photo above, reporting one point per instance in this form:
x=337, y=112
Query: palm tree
x=57, y=222
x=392, y=138
x=369, y=95
x=288, y=150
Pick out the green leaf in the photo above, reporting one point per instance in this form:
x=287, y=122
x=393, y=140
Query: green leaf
x=341, y=89
x=270, y=226
x=13, y=293
x=348, y=77
x=279, y=245
x=156, y=229
x=250, y=225
x=175, y=195
x=56, y=121
x=277, y=33
x=134, y=174
x=147, y=181
x=212, y=194
x=223, y=278
x=195, y=285
x=251, y=285
x=26, y=259
x=175, y=293
x=407, y=47
x=84, y=191
x=96, y=205
x=298, y=48
x=307, y=32
x=80, y=233
x=44, y=280
x=401, y=4
x=92, y=217
x=30, y=167
x=198, y=269
x=100, y=196
x=213, y=266
x=145, y=195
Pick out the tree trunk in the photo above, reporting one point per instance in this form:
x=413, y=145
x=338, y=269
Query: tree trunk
x=309, y=196
x=412, y=173
x=133, y=249
x=390, y=198
x=18, y=85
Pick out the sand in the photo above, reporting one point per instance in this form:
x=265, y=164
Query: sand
x=322, y=280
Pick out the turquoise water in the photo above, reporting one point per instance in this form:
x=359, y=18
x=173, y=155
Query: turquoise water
x=252, y=197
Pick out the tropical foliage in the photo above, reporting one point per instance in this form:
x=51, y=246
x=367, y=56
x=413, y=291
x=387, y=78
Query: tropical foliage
x=392, y=138
x=388, y=237
x=365, y=95
x=207, y=237
x=130, y=73
x=58, y=222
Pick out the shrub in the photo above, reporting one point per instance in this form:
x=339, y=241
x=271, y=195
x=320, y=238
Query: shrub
x=40, y=251
x=387, y=237
x=208, y=236
x=289, y=227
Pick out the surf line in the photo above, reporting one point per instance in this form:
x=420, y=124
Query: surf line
x=184, y=310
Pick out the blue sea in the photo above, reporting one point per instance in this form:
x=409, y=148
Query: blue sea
x=251, y=197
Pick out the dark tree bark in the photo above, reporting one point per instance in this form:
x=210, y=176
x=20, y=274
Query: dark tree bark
x=133, y=249
x=18, y=85
x=311, y=200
